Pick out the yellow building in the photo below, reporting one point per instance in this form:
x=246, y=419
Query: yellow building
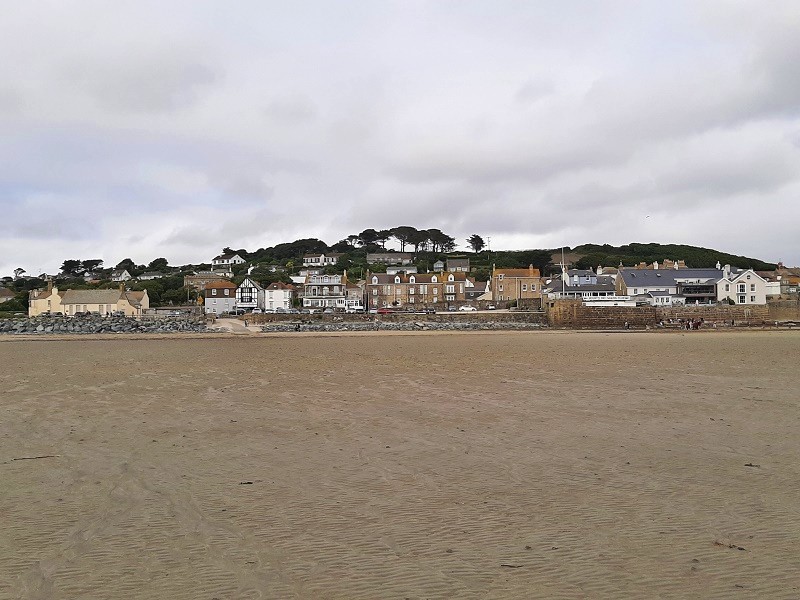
x=45, y=301
x=102, y=302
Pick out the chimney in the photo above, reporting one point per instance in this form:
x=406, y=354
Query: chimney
x=49, y=285
x=121, y=288
x=655, y=265
x=719, y=266
x=726, y=270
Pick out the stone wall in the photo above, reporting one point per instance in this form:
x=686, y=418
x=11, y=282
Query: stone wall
x=785, y=309
x=536, y=317
x=574, y=314
x=717, y=313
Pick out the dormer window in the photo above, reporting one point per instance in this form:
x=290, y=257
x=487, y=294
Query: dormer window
x=397, y=280
x=374, y=280
x=434, y=279
x=412, y=279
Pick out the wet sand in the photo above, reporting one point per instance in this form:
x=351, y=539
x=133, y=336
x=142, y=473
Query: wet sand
x=483, y=465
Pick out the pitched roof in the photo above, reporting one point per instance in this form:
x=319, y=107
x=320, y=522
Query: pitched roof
x=252, y=283
x=279, y=285
x=111, y=296
x=135, y=298
x=6, y=293
x=221, y=285
x=669, y=277
x=529, y=272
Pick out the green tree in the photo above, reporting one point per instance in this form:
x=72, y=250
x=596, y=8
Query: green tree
x=159, y=264
x=90, y=265
x=476, y=243
x=403, y=234
x=71, y=268
x=367, y=237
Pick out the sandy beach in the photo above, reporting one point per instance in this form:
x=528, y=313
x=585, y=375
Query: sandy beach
x=422, y=466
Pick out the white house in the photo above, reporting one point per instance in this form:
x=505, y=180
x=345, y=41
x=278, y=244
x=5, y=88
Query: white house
x=325, y=291
x=278, y=295
x=120, y=275
x=224, y=262
x=743, y=287
x=321, y=260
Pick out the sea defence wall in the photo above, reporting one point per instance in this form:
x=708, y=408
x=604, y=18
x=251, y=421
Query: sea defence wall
x=536, y=317
x=785, y=309
x=574, y=314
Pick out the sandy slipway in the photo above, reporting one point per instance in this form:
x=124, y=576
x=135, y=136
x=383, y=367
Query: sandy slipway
x=99, y=324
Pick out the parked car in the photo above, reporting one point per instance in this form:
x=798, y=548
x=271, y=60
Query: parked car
x=328, y=311
x=384, y=311
x=238, y=311
x=257, y=311
x=281, y=310
x=491, y=307
x=354, y=309
x=467, y=307
x=451, y=308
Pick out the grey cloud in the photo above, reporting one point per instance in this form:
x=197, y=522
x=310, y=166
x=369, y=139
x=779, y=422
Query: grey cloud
x=142, y=84
x=533, y=90
x=181, y=131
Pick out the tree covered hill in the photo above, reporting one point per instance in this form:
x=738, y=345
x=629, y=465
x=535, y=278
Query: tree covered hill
x=592, y=255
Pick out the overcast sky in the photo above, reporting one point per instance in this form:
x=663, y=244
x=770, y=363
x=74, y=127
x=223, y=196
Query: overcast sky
x=166, y=128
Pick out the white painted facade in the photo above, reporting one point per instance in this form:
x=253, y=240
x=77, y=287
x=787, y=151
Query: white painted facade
x=747, y=287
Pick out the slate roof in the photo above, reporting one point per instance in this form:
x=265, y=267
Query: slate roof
x=111, y=296
x=669, y=277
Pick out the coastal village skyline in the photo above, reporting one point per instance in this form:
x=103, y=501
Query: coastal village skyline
x=389, y=244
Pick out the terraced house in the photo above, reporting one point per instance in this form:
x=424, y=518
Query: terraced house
x=415, y=289
x=105, y=302
x=523, y=286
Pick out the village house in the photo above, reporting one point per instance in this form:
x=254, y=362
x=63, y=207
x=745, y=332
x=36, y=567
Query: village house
x=120, y=275
x=417, y=289
x=582, y=284
x=523, y=286
x=321, y=260
x=105, y=302
x=325, y=291
x=666, y=287
x=226, y=261
x=395, y=269
x=249, y=295
x=390, y=258
x=742, y=287
x=458, y=265
x=150, y=275
x=201, y=279
x=45, y=301
x=278, y=295
x=219, y=297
